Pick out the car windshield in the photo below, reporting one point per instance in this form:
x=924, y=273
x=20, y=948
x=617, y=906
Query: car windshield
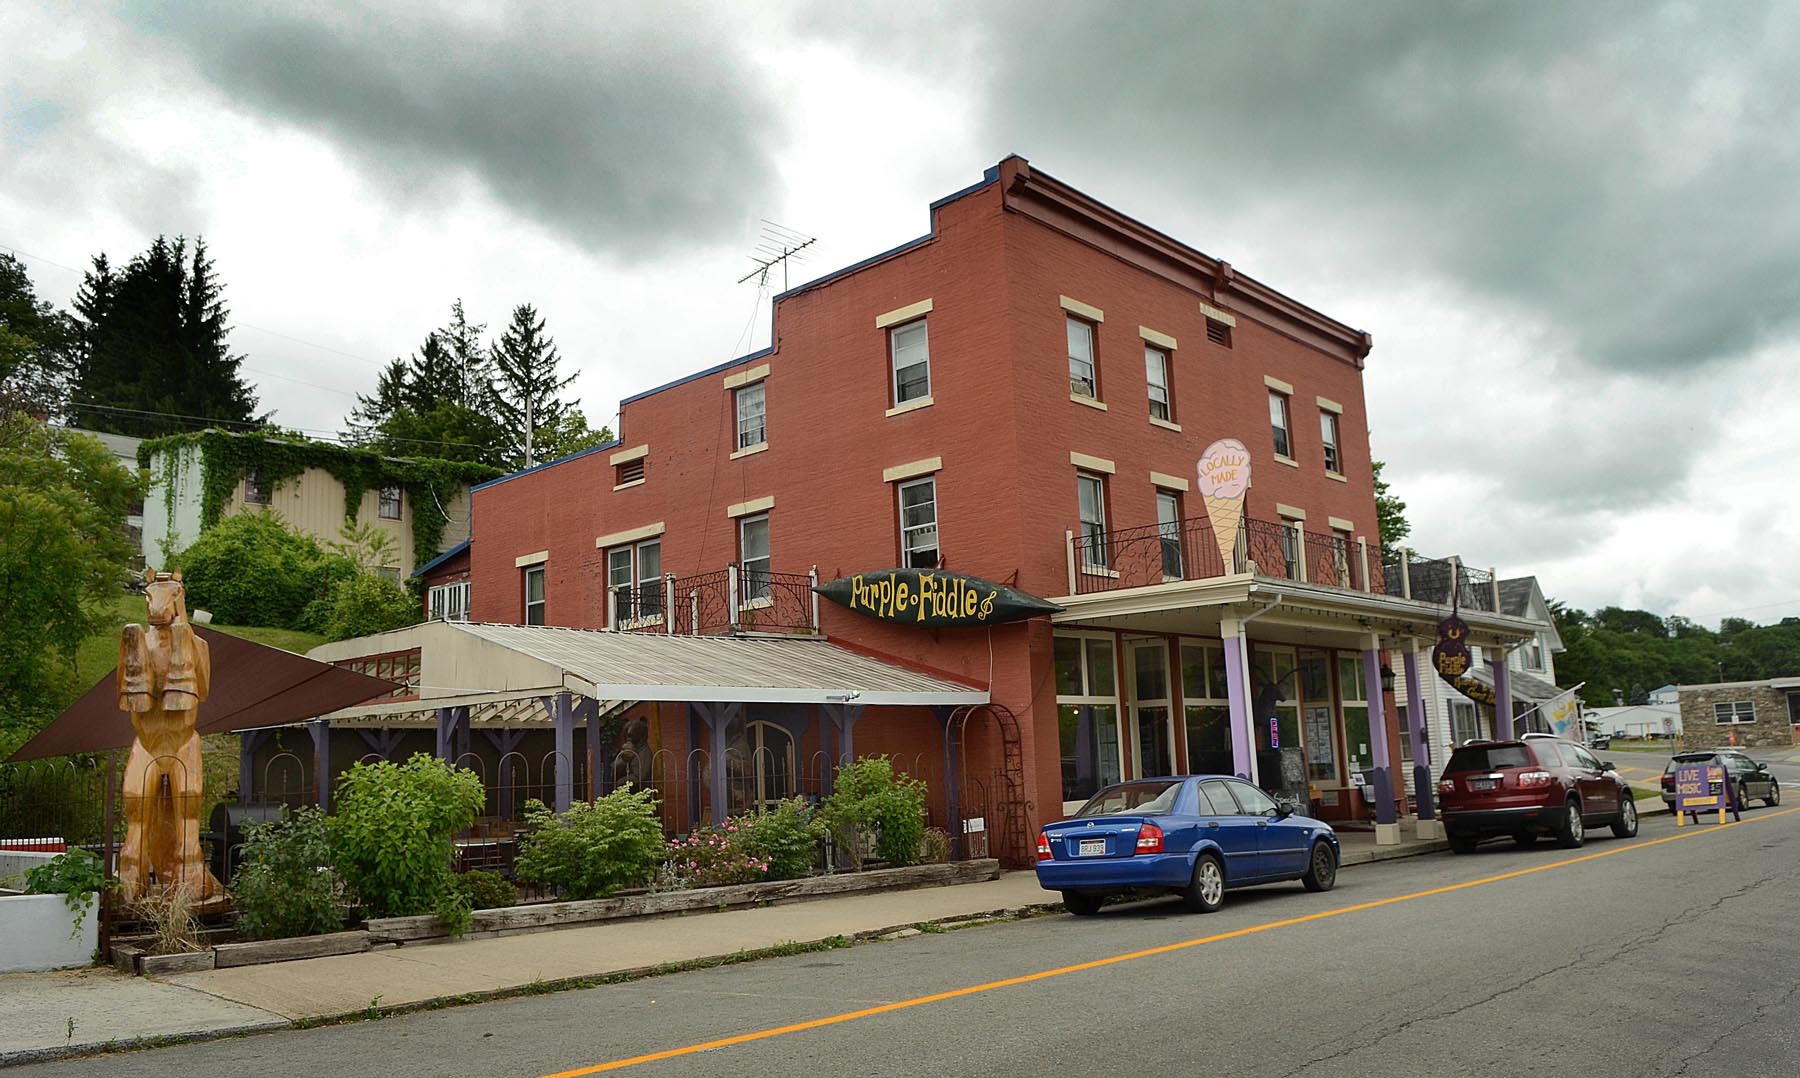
x=1488, y=758
x=1689, y=759
x=1142, y=798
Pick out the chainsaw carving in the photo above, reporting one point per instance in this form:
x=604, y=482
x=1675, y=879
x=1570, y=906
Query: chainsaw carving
x=164, y=672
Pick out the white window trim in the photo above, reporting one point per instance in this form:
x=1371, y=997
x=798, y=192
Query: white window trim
x=894, y=363
x=900, y=505
x=635, y=568
x=1734, y=720
x=525, y=591
x=737, y=410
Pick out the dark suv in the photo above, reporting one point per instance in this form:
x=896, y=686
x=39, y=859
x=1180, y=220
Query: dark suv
x=1749, y=779
x=1537, y=786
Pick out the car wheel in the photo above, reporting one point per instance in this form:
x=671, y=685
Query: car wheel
x=1321, y=869
x=1741, y=796
x=1526, y=838
x=1461, y=843
x=1626, y=825
x=1573, y=829
x=1774, y=797
x=1206, y=891
x=1082, y=904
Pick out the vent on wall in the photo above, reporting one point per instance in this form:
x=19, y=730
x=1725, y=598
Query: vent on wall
x=631, y=471
x=1218, y=332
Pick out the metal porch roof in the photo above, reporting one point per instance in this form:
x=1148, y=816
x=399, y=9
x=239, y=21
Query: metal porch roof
x=721, y=669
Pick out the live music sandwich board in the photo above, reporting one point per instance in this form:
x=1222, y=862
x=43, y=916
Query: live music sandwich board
x=1702, y=788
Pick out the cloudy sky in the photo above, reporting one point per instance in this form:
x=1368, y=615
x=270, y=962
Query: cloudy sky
x=1573, y=230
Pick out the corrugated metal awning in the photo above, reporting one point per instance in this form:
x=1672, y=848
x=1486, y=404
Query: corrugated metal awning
x=722, y=669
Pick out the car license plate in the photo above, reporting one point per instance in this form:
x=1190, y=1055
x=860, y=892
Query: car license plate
x=1092, y=847
x=1483, y=784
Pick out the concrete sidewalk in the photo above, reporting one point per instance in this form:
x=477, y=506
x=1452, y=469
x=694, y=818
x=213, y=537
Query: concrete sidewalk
x=109, y=1009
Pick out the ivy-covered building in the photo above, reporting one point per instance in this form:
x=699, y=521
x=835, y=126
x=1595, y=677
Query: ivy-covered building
x=198, y=479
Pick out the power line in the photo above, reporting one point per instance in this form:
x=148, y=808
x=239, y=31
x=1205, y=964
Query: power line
x=251, y=426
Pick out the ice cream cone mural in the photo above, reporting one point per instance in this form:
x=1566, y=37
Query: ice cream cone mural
x=1224, y=476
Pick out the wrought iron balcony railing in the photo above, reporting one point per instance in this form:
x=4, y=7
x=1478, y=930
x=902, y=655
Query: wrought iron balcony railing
x=729, y=600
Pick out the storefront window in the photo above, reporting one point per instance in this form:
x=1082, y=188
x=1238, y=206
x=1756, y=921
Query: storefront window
x=1205, y=699
x=1317, y=710
x=1151, y=708
x=1280, y=762
x=1356, y=712
x=1087, y=714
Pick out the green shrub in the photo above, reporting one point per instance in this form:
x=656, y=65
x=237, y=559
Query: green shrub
x=285, y=885
x=74, y=874
x=869, y=797
x=785, y=837
x=596, y=847
x=485, y=890
x=360, y=604
x=391, y=835
x=709, y=858
x=254, y=569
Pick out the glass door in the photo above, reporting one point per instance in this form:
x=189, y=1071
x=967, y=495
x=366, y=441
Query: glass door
x=1152, y=733
x=1318, y=717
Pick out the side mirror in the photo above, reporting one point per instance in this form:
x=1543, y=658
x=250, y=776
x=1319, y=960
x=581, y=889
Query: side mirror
x=1607, y=765
x=1760, y=766
x=1283, y=810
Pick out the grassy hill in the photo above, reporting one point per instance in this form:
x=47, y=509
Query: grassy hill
x=99, y=653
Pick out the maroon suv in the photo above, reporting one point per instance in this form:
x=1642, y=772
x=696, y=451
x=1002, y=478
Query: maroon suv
x=1541, y=785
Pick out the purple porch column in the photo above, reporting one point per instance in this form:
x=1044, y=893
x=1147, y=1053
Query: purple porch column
x=1378, y=748
x=1243, y=758
x=320, y=729
x=1503, y=713
x=1421, y=744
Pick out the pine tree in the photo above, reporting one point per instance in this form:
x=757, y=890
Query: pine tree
x=153, y=343
x=390, y=396
x=526, y=388
x=468, y=356
x=435, y=377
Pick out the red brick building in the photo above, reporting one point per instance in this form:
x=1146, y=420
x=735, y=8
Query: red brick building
x=1020, y=395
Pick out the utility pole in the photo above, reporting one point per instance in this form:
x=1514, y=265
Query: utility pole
x=530, y=425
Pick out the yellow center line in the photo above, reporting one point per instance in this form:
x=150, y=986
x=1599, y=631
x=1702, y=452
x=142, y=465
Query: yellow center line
x=885, y=1008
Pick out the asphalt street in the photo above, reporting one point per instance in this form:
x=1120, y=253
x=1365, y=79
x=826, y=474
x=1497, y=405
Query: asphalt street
x=1672, y=954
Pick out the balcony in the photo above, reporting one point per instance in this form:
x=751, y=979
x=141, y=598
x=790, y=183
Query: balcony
x=1186, y=549
x=729, y=601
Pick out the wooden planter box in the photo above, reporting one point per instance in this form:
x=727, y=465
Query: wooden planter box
x=736, y=896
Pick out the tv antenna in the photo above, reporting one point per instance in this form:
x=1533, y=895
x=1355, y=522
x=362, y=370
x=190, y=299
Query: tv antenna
x=777, y=246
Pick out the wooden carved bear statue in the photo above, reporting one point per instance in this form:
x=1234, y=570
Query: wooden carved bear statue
x=164, y=673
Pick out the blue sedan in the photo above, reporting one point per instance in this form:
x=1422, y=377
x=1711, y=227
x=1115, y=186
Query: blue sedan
x=1194, y=836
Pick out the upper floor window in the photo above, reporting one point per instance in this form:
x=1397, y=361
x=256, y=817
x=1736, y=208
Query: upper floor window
x=911, y=352
x=1328, y=436
x=1156, y=372
x=634, y=581
x=918, y=524
x=1168, y=525
x=1278, y=422
x=388, y=502
x=534, y=595
x=1091, y=492
x=752, y=426
x=1534, y=655
x=1084, y=379
x=256, y=492
x=449, y=602
x=753, y=558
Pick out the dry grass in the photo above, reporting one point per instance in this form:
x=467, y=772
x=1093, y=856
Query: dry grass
x=169, y=912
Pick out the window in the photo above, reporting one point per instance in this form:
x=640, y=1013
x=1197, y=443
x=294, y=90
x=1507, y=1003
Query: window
x=918, y=524
x=1291, y=545
x=634, y=581
x=1168, y=523
x=1533, y=655
x=256, y=492
x=1251, y=800
x=771, y=774
x=1793, y=702
x=1083, y=380
x=1734, y=712
x=449, y=602
x=1463, y=727
x=1092, y=494
x=753, y=559
x=1156, y=372
x=388, y=503
x=390, y=573
x=1205, y=701
x=912, y=362
x=631, y=471
x=1340, y=556
x=534, y=595
x=1218, y=332
x=1087, y=705
x=1278, y=420
x=1328, y=434
x=1214, y=796
x=752, y=425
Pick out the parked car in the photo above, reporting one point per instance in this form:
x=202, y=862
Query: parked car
x=1749, y=778
x=1540, y=785
x=1600, y=741
x=1197, y=836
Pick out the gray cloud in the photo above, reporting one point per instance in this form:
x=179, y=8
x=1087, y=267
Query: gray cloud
x=626, y=132
x=1621, y=170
